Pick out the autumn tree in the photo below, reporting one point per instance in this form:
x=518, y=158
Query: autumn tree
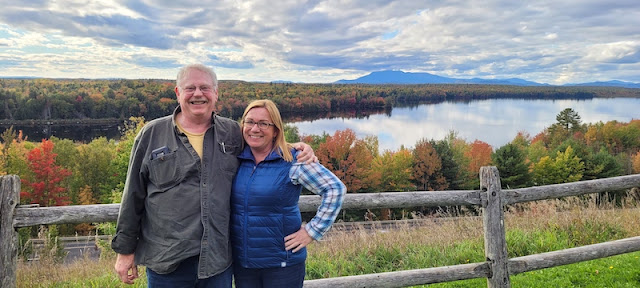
x=120, y=162
x=7, y=137
x=450, y=169
x=593, y=136
x=564, y=168
x=610, y=137
x=67, y=157
x=535, y=152
x=43, y=187
x=2, y=169
x=349, y=158
x=522, y=140
x=15, y=150
x=395, y=171
x=85, y=198
x=427, y=168
x=479, y=154
x=568, y=123
x=66, y=154
x=315, y=140
x=460, y=151
x=291, y=133
x=635, y=162
x=94, y=168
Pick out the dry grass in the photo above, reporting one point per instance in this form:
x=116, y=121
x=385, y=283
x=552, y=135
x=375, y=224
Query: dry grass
x=535, y=215
x=45, y=273
x=431, y=231
x=436, y=232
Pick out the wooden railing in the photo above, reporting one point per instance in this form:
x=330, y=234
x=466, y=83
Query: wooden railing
x=491, y=198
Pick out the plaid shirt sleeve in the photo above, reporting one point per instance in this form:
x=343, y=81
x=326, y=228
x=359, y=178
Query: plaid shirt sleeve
x=321, y=181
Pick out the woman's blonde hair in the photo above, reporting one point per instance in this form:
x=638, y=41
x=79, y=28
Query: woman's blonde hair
x=279, y=143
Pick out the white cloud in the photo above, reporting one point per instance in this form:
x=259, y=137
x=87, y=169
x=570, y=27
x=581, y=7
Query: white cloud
x=615, y=52
x=324, y=41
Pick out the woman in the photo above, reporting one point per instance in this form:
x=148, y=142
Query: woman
x=267, y=234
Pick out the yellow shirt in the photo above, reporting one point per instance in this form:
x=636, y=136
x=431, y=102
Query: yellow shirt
x=196, y=140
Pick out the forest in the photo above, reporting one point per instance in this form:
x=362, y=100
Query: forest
x=64, y=172
x=117, y=100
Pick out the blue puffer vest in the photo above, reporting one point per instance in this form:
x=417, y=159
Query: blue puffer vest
x=264, y=209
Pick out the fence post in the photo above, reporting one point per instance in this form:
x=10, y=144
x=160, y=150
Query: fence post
x=495, y=243
x=9, y=199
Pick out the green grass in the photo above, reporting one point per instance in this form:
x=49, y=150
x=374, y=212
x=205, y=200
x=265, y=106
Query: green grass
x=616, y=271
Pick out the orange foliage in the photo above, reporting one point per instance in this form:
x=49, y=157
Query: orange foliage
x=97, y=97
x=635, y=160
x=539, y=137
x=427, y=168
x=165, y=100
x=480, y=155
x=348, y=158
x=86, y=198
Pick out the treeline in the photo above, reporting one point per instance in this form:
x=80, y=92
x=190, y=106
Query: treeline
x=62, y=172
x=54, y=99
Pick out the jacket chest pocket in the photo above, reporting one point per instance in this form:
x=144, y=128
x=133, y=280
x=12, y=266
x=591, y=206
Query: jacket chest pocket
x=227, y=157
x=166, y=171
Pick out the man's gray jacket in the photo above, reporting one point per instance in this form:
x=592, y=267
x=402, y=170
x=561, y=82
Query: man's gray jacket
x=176, y=205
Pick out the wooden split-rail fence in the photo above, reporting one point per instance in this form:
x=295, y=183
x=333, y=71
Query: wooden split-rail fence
x=491, y=198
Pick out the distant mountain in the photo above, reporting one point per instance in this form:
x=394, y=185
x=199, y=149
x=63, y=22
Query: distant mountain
x=400, y=77
x=613, y=83
x=508, y=81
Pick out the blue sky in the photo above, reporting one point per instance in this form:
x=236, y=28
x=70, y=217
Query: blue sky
x=551, y=41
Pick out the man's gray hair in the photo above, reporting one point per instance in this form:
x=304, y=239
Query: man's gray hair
x=183, y=71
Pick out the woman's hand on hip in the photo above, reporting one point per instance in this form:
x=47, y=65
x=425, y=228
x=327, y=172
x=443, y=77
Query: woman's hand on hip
x=298, y=240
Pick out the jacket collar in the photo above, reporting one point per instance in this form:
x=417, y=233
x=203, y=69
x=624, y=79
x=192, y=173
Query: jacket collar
x=179, y=109
x=248, y=155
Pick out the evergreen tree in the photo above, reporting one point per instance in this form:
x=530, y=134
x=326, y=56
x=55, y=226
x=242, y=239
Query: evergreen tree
x=569, y=120
x=601, y=165
x=510, y=161
x=450, y=169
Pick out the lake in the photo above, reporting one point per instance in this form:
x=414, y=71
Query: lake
x=495, y=121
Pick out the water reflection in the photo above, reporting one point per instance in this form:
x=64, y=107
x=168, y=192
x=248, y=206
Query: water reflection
x=76, y=132
x=495, y=121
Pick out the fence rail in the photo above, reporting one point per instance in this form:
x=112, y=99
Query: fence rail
x=491, y=198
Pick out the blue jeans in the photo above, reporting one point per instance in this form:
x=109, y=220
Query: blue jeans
x=186, y=276
x=290, y=277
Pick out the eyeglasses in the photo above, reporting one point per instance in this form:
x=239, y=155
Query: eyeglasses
x=261, y=125
x=203, y=89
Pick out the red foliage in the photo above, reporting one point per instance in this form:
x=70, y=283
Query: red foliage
x=44, y=188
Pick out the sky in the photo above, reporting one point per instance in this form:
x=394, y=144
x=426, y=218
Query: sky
x=552, y=41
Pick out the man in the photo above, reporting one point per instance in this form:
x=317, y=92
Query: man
x=174, y=217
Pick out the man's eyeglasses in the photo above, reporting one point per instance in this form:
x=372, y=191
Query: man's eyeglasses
x=203, y=89
x=261, y=125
